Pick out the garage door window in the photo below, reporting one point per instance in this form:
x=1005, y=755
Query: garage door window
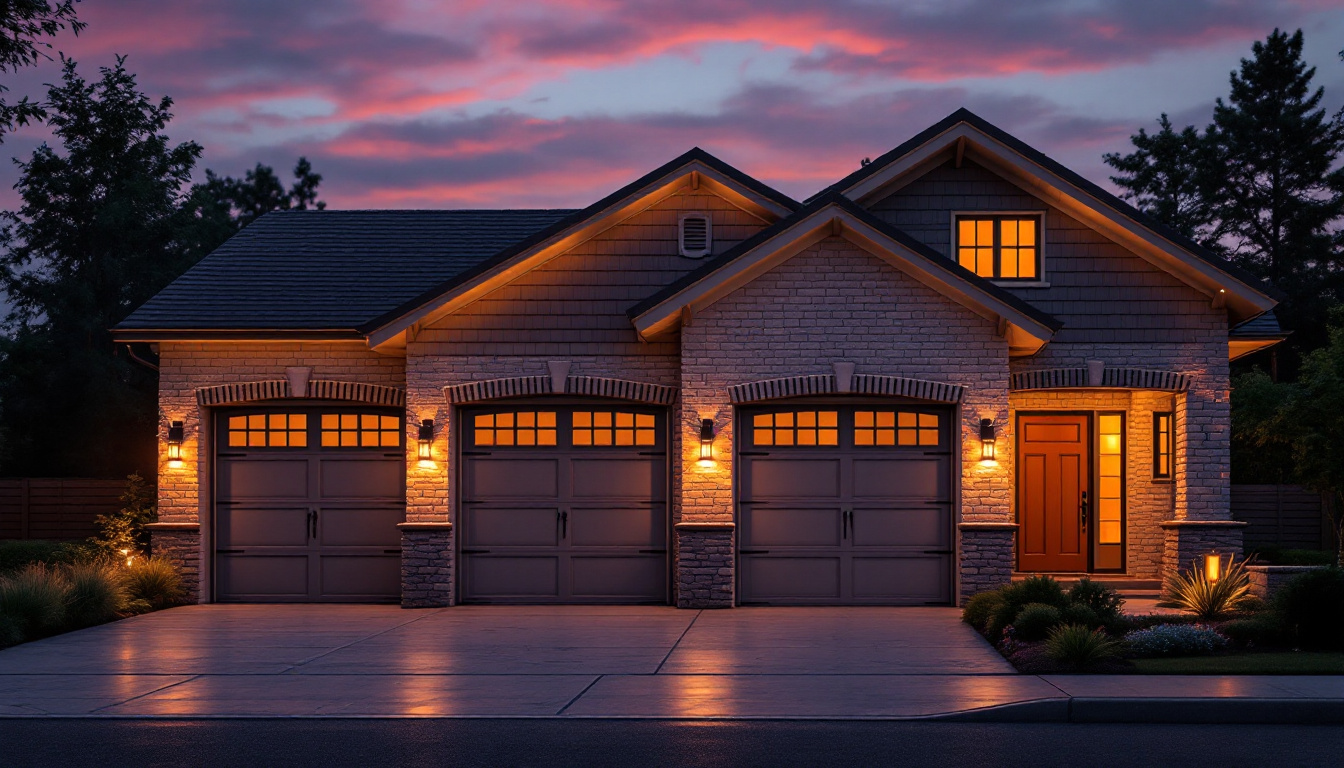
x=796, y=428
x=268, y=430
x=880, y=428
x=360, y=430
x=516, y=428
x=613, y=428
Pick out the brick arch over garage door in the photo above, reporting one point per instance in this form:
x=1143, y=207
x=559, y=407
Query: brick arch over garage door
x=320, y=389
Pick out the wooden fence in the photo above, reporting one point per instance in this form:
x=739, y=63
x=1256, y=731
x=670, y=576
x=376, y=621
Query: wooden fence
x=1287, y=516
x=56, y=508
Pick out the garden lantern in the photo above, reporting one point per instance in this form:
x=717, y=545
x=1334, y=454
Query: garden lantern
x=1213, y=567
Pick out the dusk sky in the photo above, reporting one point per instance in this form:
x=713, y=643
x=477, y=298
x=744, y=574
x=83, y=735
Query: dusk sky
x=443, y=103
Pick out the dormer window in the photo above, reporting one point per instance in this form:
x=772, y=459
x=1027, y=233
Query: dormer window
x=695, y=235
x=1000, y=246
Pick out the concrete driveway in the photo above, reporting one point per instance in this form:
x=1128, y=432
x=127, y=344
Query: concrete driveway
x=306, y=660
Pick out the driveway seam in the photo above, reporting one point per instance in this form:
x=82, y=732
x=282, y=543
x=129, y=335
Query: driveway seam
x=579, y=695
x=160, y=689
x=311, y=659
x=673, y=649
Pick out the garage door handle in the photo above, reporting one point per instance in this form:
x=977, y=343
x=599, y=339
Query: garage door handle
x=312, y=522
x=564, y=525
x=847, y=522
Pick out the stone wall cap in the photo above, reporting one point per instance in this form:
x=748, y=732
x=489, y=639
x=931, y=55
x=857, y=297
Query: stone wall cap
x=1203, y=524
x=987, y=526
x=704, y=526
x=173, y=526
x=430, y=526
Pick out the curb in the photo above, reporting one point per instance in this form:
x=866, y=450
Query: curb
x=1189, y=711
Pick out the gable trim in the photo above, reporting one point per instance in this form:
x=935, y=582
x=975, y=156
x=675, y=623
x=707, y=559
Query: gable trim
x=593, y=386
x=862, y=384
x=320, y=389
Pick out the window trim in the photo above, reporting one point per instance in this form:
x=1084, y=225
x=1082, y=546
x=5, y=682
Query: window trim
x=1170, y=446
x=1039, y=281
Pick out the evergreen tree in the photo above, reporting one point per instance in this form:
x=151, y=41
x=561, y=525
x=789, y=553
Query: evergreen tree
x=1164, y=177
x=95, y=237
x=221, y=205
x=23, y=24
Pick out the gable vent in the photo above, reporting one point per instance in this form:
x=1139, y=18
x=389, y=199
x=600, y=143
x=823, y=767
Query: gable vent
x=695, y=236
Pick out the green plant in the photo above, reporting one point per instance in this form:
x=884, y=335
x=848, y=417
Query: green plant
x=35, y=598
x=1175, y=640
x=1257, y=631
x=1078, y=613
x=1035, y=621
x=1078, y=647
x=980, y=608
x=95, y=593
x=1193, y=591
x=1020, y=594
x=16, y=554
x=1105, y=603
x=1311, y=606
x=155, y=581
x=123, y=532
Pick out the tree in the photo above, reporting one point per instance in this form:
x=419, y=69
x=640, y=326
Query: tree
x=221, y=205
x=95, y=236
x=23, y=24
x=1164, y=177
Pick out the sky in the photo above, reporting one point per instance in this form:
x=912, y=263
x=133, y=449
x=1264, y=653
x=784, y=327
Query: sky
x=513, y=103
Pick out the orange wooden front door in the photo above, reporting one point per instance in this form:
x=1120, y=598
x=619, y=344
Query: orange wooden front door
x=1052, y=493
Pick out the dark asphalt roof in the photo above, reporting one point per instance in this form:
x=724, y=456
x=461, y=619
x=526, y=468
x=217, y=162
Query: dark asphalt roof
x=1265, y=326
x=331, y=270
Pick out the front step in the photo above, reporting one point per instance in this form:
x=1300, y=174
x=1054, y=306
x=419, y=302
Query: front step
x=1129, y=587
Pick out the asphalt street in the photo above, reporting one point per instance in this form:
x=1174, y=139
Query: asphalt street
x=294, y=743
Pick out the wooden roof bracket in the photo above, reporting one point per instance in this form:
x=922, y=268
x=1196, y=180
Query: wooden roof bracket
x=1001, y=327
x=1219, y=299
x=687, y=315
x=695, y=179
x=961, y=150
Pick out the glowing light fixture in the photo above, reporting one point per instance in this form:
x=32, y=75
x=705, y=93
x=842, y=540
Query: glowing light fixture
x=175, y=433
x=1213, y=567
x=706, y=442
x=426, y=438
x=987, y=439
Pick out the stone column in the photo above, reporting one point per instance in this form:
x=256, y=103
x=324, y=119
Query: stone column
x=985, y=552
x=426, y=565
x=180, y=544
x=705, y=577
x=1188, y=540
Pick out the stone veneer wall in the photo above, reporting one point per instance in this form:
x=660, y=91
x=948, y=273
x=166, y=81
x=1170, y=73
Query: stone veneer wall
x=426, y=565
x=987, y=557
x=835, y=302
x=182, y=548
x=705, y=557
x=184, y=367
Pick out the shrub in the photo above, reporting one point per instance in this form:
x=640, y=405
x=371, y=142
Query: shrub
x=1077, y=646
x=1035, y=621
x=17, y=554
x=1175, y=640
x=34, y=598
x=1105, y=603
x=980, y=607
x=1080, y=613
x=125, y=528
x=1311, y=606
x=11, y=632
x=1018, y=595
x=96, y=593
x=1192, y=591
x=1256, y=631
x=155, y=581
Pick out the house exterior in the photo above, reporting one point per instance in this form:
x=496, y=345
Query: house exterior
x=961, y=362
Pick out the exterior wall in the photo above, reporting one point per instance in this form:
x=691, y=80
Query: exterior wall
x=184, y=367
x=837, y=303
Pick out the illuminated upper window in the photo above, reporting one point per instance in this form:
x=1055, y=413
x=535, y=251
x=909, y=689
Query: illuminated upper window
x=895, y=428
x=796, y=428
x=1000, y=247
x=268, y=430
x=360, y=430
x=515, y=428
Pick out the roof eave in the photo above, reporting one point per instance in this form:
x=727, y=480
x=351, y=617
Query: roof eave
x=127, y=335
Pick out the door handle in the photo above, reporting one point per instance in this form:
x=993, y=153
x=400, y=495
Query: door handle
x=312, y=522
x=564, y=524
x=844, y=523
x=1082, y=511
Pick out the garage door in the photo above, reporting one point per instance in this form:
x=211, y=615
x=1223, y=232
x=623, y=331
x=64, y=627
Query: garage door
x=307, y=502
x=564, y=504
x=845, y=505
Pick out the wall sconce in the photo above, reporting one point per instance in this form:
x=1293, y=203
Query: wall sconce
x=426, y=438
x=175, y=433
x=987, y=439
x=706, y=442
x=1213, y=567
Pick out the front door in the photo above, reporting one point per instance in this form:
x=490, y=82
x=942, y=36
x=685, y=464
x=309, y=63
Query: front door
x=1052, y=492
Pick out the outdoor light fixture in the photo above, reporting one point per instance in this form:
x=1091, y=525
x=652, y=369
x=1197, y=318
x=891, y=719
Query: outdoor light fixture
x=175, y=444
x=706, y=442
x=426, y=437
x=1213, y=567
x=987, y=439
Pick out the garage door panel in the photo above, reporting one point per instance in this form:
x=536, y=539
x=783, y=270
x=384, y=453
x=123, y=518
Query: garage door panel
x=629, y=578
x=490, y=576
x=912, y=579
x=790, y=526
x=492, y=478
x=901, y=527
x=360, y=576
x=355, y=479
x=785, y=478
x=901, y=478
x=636, y=477
x=238, y=527
x=260, y=577
x=511, y=527
x=791, y=578
x=617, y=527
x=360, y=527
x=243, y=479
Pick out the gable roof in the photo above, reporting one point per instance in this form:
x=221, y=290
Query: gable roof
x=324, y=274
x=965, y=133
x=696, y=167
x=1028, y=328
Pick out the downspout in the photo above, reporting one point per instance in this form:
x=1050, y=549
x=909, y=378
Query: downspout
x=130, y=350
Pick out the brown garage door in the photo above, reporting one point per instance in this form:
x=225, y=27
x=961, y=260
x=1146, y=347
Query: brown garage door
x=307, y=501
x=845, y=505
x=564, y=504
